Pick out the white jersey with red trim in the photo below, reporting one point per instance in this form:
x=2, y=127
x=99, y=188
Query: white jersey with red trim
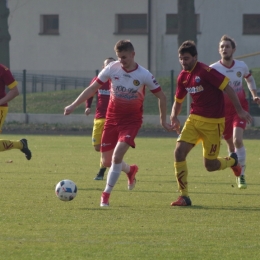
x=127, y=92
x=236, y=72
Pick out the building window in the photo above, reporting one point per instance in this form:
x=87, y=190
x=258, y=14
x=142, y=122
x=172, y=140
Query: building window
x=131, y=23
x=172, y=23
x=251, y=24
x=49, y=24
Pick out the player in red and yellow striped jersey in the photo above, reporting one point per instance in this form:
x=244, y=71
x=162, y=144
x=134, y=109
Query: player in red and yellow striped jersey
x=7, y=79
x=206, y=120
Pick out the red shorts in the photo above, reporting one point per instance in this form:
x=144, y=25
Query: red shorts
x=118, y=133
x=231, y=123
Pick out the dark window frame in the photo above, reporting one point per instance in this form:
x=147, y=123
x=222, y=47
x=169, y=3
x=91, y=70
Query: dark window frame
x=125, y=23
x=174, y=22
x=49, y=24
x=251, y=24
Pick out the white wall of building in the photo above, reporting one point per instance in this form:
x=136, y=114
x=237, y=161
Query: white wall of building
x=87, y=33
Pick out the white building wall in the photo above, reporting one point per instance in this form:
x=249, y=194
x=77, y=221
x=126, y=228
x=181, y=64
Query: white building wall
x=87, y=33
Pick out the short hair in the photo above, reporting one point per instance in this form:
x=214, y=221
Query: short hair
x=109, y=58
x=123, y=45
x=227, y=38
x=188, y=46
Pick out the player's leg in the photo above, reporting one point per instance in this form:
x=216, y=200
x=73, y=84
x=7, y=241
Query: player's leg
x=241, y=155
x=211, y=139
x=185, y=142
x=116, y=158
x=6, y=145
x=127, y=135
x=96, y=141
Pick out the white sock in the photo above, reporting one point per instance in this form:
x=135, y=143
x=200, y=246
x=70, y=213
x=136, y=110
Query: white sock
x=125, y=167
x=241, y=155
x=112, y=177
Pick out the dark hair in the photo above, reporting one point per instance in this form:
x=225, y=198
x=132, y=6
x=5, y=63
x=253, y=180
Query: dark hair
x=123, y=45
x=227, y=38
x=110, y=58
x=188, y=46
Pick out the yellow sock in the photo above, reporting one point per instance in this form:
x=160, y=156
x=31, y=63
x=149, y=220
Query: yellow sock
x=225, y=162
x=6, y=145
x=181, y=173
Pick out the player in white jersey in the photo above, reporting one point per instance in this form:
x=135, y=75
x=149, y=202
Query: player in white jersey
x=124, y=113
x=236, y=71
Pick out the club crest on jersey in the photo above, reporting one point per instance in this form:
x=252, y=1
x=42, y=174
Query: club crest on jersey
x=136, y=82
x=239, y=74
x=197, y=79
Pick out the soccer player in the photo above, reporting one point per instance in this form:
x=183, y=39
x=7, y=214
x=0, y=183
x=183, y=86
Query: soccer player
x=103, y=95
x=124, y=113
x=235, y=70
x=7, y=79
x=206, y=120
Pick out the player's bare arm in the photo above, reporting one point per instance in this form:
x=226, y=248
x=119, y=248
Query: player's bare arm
x=163, y=110
x=176, y=109
x=252, y=88
x=86, y=94
x=234, y=99
x=12, y=93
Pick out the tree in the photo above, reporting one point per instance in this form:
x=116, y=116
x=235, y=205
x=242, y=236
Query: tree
x=187, y=24
x=4, y=34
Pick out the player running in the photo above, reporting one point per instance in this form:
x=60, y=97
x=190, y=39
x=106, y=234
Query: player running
x=236, y=71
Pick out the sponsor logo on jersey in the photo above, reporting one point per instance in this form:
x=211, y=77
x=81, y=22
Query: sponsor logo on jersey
x=227, y=71
x=116, y=77
x=197, y=79
x=105, y=92
x=128, y=136
x=126, y=75
x=104, y=144
x=136, y=82
x=194, y=90
x=239, y=74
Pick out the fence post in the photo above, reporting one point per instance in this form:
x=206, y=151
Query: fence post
x=97, y=71
x=172, y=86
x=24, y=91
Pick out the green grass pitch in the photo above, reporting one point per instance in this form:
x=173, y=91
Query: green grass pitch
x=223, y=222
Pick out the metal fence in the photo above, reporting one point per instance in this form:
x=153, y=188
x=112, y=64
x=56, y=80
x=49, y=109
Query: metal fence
x=34, y=82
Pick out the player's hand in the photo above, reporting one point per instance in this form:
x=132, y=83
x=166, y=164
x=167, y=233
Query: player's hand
x=87, y=111
x=175, y=124
x=167, y=126
x=68, y=110
x=257, y=100
x=246, y=116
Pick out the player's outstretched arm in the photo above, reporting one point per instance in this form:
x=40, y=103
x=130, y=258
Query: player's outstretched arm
x=12, y=93
x=234, y=99
x=85, y=94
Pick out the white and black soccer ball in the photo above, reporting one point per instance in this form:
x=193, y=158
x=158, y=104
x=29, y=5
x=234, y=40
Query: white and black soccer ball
x=66, y=190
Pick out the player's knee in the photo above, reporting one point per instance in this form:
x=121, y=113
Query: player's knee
x=106, y=163
x=238, y=142
x=179, y=155
x=211, y=165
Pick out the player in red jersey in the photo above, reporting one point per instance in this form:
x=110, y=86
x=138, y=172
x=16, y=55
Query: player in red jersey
x=236, y=71
x=124, y=113
x=206, y=120
x=103, y=95
x=7, y=79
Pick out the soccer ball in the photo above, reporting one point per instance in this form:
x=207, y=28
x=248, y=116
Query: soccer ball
x=66, y=190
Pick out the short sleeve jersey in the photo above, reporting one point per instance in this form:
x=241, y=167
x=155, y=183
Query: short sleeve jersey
x=205, y=85
x=102, y=95
x=6, y=79
x=236, y=72
x=127, y=92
